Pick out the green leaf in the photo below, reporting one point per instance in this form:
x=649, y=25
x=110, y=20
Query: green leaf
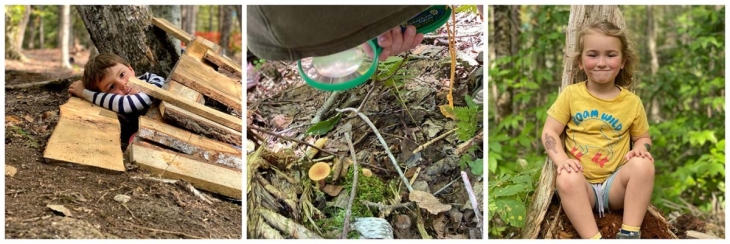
x=477, y=167
x=511, y=211
x=509, y=190
x=323, y=127
x=492, y=164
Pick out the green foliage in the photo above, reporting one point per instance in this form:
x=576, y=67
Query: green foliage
x=467, y=9
x=324, y=126
x=467, y=119
x=507, y=198
x=257, y=63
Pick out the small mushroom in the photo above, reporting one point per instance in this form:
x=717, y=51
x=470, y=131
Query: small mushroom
x=402, y=222
x=318, y=172
x=367, y=172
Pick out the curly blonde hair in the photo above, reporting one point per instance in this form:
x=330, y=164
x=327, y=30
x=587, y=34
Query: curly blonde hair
x=628, y=53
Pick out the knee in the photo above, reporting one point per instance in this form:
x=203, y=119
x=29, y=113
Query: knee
x=570, y=182
x=641, y=166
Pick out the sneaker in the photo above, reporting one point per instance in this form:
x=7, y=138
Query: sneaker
x=624, y=234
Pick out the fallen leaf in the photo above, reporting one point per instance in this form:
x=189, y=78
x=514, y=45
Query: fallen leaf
x=433, y=129
x=60, y=209
x=281, y=121
x=10, y=170
x=427, y=201
x=122, y=198
x=439, y=225
x=11, y=120
x=457, y=236
x=447, y=111
x=332, y=190
x=28, y=118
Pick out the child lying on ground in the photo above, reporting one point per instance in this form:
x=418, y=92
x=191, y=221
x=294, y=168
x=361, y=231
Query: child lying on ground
x=105, y=83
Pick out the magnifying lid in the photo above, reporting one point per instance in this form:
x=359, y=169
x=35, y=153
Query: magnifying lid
x=352, y=67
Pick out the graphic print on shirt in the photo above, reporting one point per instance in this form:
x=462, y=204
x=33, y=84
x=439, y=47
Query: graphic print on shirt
x=598, y=151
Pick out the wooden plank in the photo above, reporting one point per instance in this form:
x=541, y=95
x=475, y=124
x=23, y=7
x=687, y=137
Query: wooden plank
x=199, y=124
x=197, y=146
x=185, y=92
x=171, y=165
x=205, y=112
x=172, y=30
x=207, y=81
x=199, y=46
x=87, y=135
x=224, y=63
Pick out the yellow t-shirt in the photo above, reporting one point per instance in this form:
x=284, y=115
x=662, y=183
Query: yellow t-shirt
x=599, y=131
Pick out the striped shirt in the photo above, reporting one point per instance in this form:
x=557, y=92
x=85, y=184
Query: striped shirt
x=126, y=104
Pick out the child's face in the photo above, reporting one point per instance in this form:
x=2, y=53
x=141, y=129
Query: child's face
x=116, y=79
x=601, y=58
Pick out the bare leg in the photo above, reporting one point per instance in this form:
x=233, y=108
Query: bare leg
x=637, y=178
x=578, y=199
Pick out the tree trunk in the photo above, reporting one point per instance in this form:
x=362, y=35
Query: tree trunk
x=210, y=18
x=651, y=42
x=556, y=224
x=506, y=39
x=21, y=28
x=127, y=31
x=189, y=16
x=13, y=17
x=33, y=30
x=173, y=14
x=65, y=32
x=225, y=22
x=42, y=35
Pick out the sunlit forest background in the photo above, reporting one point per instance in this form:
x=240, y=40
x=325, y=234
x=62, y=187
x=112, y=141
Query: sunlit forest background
x=681, y=82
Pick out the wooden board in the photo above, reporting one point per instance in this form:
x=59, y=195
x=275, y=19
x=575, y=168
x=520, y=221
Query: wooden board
x=206, y=80
x=197, y=146
x=224, y=63
x=195, y=108
x=185, y=92
x=199, y=46
x=172, y=29
x=171, y=165
x=87, y=135
x=198, y=124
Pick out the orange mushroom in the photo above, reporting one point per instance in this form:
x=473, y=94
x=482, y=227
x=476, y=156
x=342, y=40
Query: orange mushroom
x=318, y=172
x=367, y=172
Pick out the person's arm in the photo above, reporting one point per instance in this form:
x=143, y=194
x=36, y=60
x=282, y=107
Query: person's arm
x=152, y=79
x=642, y=146
x=554, y=146
x=119, y=103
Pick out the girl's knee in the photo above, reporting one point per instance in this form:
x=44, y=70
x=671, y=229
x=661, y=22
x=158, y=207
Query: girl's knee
x=567, y=182
x=641, y=165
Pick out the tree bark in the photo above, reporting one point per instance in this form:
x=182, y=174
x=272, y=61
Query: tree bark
x=506, y=41
x=22, y=26
x=173, y=14
x=651, y=42
x=127, y=31
x=13, y=17
x=225, y=22
x=33, y=29
x=189, y=16
x=65, y=32
x=42, y=35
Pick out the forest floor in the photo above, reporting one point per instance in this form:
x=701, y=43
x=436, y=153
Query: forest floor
x=405, y=111
x=156, y=210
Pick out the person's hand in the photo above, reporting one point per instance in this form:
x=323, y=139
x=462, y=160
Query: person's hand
x=569, y=165
x=396, y=41
x=76, y=88
x=639, y=151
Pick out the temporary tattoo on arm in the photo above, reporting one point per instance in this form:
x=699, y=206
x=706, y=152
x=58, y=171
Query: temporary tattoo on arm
x=550, y=143
x=648, y=146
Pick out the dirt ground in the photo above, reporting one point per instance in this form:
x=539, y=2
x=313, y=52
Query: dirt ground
x=406, y=117
x=155, y=210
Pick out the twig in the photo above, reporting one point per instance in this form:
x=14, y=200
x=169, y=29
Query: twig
x=446, y=186
x=465, y=145
x=187, y=186
x=428, y=37
x=165, y=231
x=290, y=139
x=353, y=191
x=328, y=103
x=472, y=198
x=102, y=196
x=382, y=141
x=421, y=147
x=128, y=210
x=168, y=181
x=378, y=81
x=386, y=208
x=323, y=159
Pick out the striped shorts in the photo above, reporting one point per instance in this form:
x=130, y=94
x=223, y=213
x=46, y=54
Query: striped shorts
x=600, y=191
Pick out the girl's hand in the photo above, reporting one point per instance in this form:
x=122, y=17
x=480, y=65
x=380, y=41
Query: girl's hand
x=569, y=165
x=639, y=151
